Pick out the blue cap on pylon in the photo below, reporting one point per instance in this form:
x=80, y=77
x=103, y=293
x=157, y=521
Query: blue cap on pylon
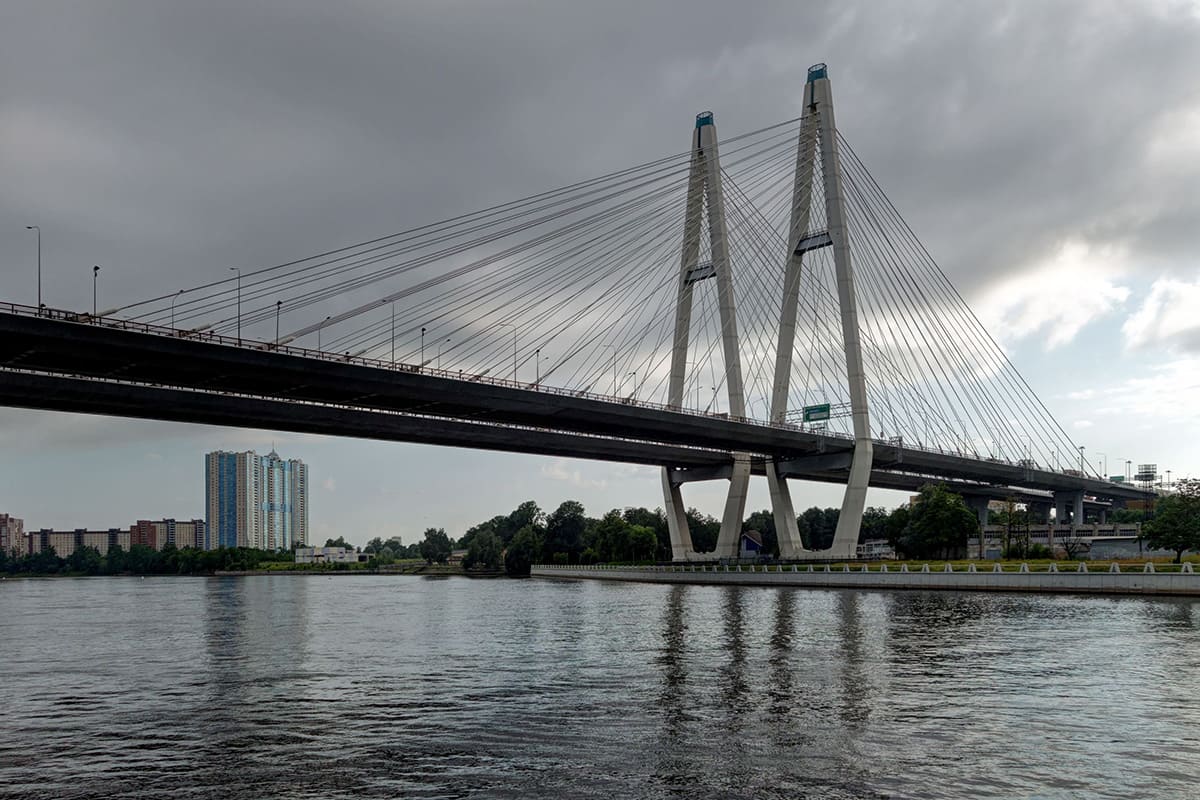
x=704, y=119
x=816, y=72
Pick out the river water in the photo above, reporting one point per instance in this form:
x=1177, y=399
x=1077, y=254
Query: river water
x=326, y=687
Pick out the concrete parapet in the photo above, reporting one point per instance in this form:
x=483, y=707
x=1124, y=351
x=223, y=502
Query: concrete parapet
x=1149, y=582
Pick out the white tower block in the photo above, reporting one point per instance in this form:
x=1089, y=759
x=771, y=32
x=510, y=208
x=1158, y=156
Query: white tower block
x=705, y=184
x=818, y=123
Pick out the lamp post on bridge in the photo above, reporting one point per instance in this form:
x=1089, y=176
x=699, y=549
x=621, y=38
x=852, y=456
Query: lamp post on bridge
x=1080, y=459
x=422, y=347
x=319, y=328
x=173, y=299
x=1103, y=464
x=95, y=277
x=239, y=301
x=633, y=393
x=278, y=308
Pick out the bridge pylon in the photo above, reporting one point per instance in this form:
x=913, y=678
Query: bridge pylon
x=818, y=136
x=705, y=199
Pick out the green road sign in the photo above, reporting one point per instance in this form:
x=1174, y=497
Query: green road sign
x=816, y=413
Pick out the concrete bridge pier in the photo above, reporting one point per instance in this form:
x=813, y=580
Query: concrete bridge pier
x=979, y=504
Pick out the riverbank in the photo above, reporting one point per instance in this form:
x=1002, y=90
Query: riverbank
x=978, y=578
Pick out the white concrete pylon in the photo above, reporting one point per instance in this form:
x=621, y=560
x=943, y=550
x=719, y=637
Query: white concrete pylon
x=786, y=527
x=705, y=193
x=818, y=128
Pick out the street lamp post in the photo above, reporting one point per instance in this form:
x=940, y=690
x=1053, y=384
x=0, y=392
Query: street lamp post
x=1103, y=464
x=95, y=277
x=39, y=263
x=278, y=308
x=1080, y=459
x=537, y=366
x=238, y=270
x=422, y=347
x=633, y=393
x=319, y=328
x=393, y=333
x=173, y=299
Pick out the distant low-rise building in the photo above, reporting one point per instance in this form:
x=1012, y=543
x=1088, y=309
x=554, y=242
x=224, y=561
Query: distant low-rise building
x=65, y=543
x=329, y=555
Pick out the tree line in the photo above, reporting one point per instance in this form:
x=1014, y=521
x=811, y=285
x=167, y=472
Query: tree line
x=139, y=560
x=938, y=524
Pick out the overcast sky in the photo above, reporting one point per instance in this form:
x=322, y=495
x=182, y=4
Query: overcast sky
x=1048, y=155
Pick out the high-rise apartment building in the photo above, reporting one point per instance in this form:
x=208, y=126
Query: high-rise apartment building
x=12, y=535
x=255, y=501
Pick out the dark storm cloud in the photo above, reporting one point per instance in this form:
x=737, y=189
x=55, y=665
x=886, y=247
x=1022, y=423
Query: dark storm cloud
x=167, y=141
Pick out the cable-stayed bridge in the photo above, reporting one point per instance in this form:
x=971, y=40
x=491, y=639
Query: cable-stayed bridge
x=748, y=306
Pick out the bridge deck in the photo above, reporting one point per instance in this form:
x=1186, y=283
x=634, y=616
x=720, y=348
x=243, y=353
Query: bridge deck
x=112, y=367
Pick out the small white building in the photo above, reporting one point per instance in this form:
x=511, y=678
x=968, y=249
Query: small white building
x=874, y=549
x=328, y=555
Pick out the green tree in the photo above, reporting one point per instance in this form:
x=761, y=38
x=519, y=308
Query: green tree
x=704, y=530
x=939, y=524
x=339, y=542
x=1176, y=522
x=656, y=521
x=436, y=546
x=528, y=514
x=85, y=560
x=763, y=523
x=115, y=561
x=564, y=531
x=641, y=543
x=819, y=526
x=525, y=546
x=484, y=551
x=874, y=524
x=612, y=537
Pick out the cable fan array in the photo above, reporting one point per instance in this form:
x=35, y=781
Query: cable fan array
x=576, y=289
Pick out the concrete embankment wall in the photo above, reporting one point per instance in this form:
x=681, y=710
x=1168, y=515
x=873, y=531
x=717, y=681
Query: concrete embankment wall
x=1140, y=583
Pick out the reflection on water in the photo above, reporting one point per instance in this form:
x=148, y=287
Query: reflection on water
x=319, y=687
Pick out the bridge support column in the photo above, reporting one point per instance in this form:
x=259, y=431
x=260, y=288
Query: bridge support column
x=787, y=530
x=704, y=184
x=980, y=506
x=1077, y=517
x=677, y=524
x=1060, y=509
